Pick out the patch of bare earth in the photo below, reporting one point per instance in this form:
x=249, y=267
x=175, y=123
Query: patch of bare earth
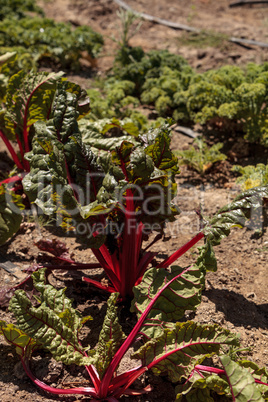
x=236, y=295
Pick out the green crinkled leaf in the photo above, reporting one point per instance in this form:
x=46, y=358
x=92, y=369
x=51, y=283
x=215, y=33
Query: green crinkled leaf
x=57, y=301
x=235, y=214
x=96, y=134
x=10, y=214
x=48, y=328
x=7, y=57
x=47, y=185
x=107, y=144
x=207, y=259
x=24, y=344
x=184, y=293
x=161, y=154
x=241, y=382
x=110, y=339
x=128, y=127
x=140, y=166
x=260, y=374
x=122, y=153
x=64, y=173
x=131, y=129
x=29, y=98
x=196, y=395
x=199, y=387
x=177, y=351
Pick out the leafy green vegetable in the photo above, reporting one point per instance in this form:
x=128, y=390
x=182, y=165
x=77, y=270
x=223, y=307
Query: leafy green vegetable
x=5, y=59
x=177, y=350
x=235, y=214
x=46, y=39
x=241, y=382
x=252, y=176
x=18, y=8
x=201, y=157
x=217, y=96
x=111, y=202
x=167, y=308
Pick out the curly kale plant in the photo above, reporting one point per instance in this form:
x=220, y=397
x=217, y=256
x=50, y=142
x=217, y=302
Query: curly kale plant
x=164, y=344
x=229, y=94
x=252, y=176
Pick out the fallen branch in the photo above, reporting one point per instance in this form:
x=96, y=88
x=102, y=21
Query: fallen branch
x=246, y=2
x=183, y=27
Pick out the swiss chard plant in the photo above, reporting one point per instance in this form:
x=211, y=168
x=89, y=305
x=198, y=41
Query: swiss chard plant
x=163, y=344
x=200, y=156
x=28, y=99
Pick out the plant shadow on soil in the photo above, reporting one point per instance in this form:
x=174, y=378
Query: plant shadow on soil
x=247, y=312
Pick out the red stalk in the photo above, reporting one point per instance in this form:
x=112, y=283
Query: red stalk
x=220, y=372
x=107, y=268
x=12, y=151
x=73, y=267
x=131, y=246
x=81, y=390
x=25, y=163
x=99, y=285
x=132, y=376
x=120, y=380
x=93, y=375
x=11, y=179
x=180, y=251
x=143, y=264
